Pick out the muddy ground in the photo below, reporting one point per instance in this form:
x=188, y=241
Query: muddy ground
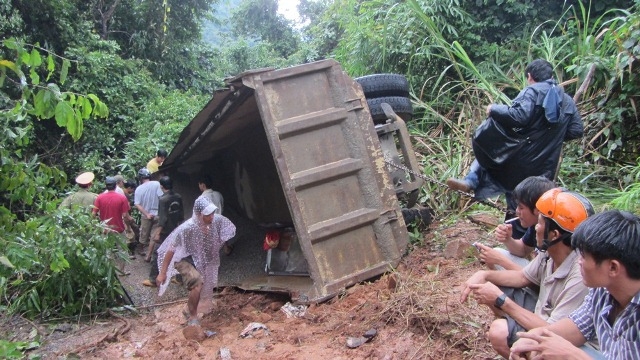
x=414, y=311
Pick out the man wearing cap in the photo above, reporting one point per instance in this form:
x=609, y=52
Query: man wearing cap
x=146, y=198
x=119, y=184
x=83, y=197
x=112, y=207
x=193, y=250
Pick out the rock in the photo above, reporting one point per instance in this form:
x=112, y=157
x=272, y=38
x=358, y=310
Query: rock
x=264, y=317
x=193, y=332
x=456, y=249
x=370, y=334
x=392, y=283
x=275, y=306
x=354, y=342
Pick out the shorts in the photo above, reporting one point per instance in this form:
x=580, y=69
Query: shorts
x=527, y=299
x=191, y=278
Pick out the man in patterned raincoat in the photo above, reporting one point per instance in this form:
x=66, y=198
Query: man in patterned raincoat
x=193, y=250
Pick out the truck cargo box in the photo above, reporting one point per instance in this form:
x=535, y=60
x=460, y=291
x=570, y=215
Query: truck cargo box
x=295, y=152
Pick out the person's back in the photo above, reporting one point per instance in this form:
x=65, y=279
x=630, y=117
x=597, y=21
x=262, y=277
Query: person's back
x=147, y=195
x=82, y=197
x=111, y=207
x=526, y=116
x=205, y=184
x=170, y=215
x=146, y=199
x=540, y=157
x=171, y=203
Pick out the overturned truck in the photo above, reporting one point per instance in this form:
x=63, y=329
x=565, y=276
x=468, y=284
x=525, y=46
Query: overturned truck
x=296, y=151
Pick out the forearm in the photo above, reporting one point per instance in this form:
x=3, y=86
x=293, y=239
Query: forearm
x=142, y=210
x=507, y=264
x=522, y=316
x=165, y=263
x=567, y=329
x=517, y=247
x=508, y=278
x=127, y=218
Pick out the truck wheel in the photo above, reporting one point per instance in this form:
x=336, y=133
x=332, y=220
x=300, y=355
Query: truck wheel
x=400, y=105
x=380, y=85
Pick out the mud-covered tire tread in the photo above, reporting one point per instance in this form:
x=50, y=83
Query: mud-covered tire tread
x=400, y=105
x=381, y=85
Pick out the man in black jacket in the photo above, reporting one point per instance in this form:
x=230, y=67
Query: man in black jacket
x=531, y=112
x=170, y=215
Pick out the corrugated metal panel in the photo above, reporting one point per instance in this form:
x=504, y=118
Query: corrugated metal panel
x=329, y=160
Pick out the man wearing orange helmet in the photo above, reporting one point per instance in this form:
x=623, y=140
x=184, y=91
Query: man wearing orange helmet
x=609, y=247
x=555, y=270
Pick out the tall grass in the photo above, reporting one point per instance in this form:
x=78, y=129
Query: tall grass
x=454, y=103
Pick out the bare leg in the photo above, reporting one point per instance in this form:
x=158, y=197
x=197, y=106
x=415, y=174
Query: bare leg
x=192, y=303
x=498, y=333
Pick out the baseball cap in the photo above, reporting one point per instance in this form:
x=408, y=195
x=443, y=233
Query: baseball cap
x=85, y=178
x=110, y=180
x=210, y=209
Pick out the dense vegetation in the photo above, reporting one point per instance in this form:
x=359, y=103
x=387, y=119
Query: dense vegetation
x=99, y=85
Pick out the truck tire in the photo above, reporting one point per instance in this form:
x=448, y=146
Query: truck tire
x=400, y=105
x=380, y=85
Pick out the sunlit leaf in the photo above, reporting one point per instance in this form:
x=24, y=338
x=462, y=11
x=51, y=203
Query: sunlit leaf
x=36, y=59
x=64, y=71
x=35, y=78
x=64, y=114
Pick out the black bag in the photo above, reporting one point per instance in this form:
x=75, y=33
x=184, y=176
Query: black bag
x=493, y=144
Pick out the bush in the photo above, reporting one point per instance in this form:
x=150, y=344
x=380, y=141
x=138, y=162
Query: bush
x=60, y=264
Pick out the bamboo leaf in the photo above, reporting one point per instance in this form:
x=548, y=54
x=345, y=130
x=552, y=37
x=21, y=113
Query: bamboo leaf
x=5, y=261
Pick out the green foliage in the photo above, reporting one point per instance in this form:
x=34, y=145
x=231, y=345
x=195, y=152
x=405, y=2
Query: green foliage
x=51, y=261
x=159, y=128
x=46, y=101
x=126, y=86
x=55, y=23
x=260, y=19
x=460, y=56
x=59, y=264
x=16, y=349
x=629, y=198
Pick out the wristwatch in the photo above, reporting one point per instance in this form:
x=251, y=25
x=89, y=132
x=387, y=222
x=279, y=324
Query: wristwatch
x=500, y=300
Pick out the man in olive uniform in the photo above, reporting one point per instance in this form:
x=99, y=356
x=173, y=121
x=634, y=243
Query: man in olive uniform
x=83, y=197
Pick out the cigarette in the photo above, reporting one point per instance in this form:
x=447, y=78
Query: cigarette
x=512, y=220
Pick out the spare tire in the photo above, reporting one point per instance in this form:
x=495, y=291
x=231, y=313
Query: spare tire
x=379, y=85
x=400, y=105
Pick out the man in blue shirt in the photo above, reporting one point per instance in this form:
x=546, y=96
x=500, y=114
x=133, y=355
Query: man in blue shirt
x=609, y=244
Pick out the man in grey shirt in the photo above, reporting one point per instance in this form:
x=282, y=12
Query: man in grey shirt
x=146, y=200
